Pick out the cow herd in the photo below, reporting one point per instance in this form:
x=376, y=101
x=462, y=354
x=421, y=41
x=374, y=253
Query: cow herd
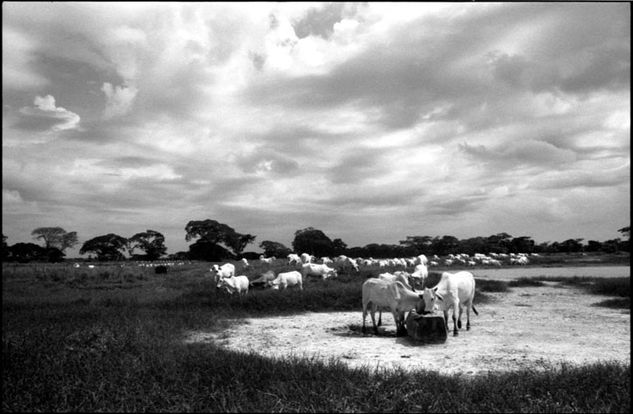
x=394, y=292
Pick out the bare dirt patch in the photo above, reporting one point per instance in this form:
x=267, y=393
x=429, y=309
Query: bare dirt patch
x=527, y=327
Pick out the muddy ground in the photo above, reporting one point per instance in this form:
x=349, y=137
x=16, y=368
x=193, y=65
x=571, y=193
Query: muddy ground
x=526, y=327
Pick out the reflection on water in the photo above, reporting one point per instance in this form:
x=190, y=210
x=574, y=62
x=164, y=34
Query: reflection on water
x=517, y=272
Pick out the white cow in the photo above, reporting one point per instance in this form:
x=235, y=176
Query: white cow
x=264, y=278
x=344, y=262
x=421, y=259
x=234, y=284
x=294, y=258
x=393, y=295
x=244, y=262
x=219, y=272
x=419, y=275
x=306, y=258
x=454, y=290
x=326, y=260
x=318, y=270
x=267, y=260
x=286, y=280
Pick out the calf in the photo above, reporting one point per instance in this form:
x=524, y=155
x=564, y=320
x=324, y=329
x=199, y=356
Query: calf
x=318, y=270
x=234, y=284
x=286, y=280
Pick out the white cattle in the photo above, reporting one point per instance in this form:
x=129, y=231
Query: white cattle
x=421, y=259
x=420, y=273
x=311, y=269
x=264, y=278
x=345, y=262
x=287, y=279
x=326, y=260
x=234, y=284
x=267, y=260
x=219, y=272
x=294, y=258
x=378, y=293
x=306, y=258
x=454, y=290
x=244, y=262
x=401, y=277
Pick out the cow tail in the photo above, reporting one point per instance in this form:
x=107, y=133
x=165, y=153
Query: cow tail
x=475, y=310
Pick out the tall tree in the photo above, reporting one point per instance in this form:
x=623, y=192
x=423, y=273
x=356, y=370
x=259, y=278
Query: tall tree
x=312, y=241
x=107, y=247
x=151, y=242
x=276, y=249
x=55, y=237
x=215, y=233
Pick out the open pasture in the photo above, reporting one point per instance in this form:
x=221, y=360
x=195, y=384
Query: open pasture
x=128, y=339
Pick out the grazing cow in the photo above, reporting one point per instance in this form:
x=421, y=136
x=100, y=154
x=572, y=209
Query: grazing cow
x=454, y=290
x=382, y=294
x=326, y=260
x=287, y=279
x=266, y=260
x=345, y=262
x=219, y=272
x=234, y=284
x=311, y=269
x=294, y=258
x=306, y=258
x=264, y=278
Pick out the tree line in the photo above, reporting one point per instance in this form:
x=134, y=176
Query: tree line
x=215, y=241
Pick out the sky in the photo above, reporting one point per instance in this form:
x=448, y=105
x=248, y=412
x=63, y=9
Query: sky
x=369, y=121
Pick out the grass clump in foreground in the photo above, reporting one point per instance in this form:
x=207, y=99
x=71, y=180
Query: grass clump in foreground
x=128, y=359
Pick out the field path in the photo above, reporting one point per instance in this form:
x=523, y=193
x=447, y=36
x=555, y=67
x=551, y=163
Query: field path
x=527, y=327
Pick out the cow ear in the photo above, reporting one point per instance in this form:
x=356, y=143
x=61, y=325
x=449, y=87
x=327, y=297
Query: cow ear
x=439, y=296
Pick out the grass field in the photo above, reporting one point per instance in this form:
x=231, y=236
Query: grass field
x=108, y=339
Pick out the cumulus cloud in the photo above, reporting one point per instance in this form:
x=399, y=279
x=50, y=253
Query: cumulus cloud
x=119, y=100
x=45, y=116
x=340, y=116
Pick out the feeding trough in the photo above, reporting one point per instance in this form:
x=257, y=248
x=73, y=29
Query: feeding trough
x=429, y=328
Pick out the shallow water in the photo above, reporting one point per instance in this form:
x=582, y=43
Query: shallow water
x=583, y=271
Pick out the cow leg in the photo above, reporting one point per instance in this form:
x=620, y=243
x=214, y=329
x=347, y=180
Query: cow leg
x=364, y=316
x=446, y=320
x=379, y=318
x=455, y=333
x=373, y=318
x=468, y=316
x=459, y=318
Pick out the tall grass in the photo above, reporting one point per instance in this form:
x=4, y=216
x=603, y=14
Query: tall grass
x=66, y=348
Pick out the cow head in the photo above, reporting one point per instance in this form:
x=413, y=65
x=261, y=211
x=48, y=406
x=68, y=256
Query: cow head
x=430, y=298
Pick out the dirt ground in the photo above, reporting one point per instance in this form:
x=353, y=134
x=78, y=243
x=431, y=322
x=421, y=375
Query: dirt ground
x=526, y=327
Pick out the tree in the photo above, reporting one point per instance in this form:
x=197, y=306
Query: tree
x=26, y=252
x=340, y=247
x=151, y=242
x=445, y=245
x=571, y=245
x=626, y=231
x=312, y=241
x=500, y=243
x=276, y=249
x=107, y=247
x=214, y=233
x=523, y=244
x=55, y=237
x=421, y=244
